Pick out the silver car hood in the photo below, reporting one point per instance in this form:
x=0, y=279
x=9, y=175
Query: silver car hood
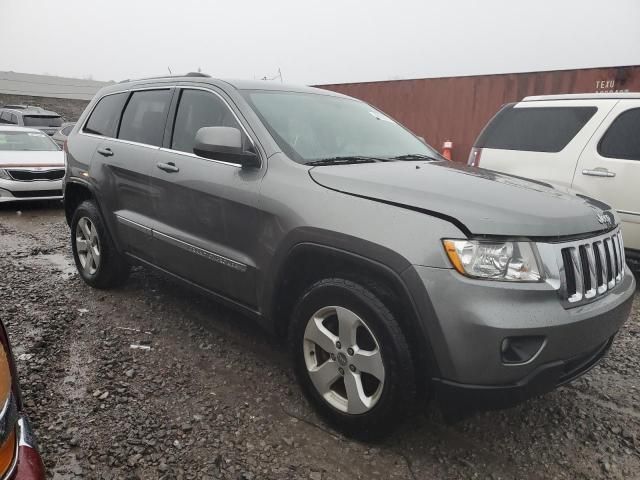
x=480, y=202
x=14, y=159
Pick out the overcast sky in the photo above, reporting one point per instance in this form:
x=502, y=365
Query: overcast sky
x=315, y=42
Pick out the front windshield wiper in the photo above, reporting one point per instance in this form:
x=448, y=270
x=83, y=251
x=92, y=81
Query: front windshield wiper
x=417, y=156
x=346, y=160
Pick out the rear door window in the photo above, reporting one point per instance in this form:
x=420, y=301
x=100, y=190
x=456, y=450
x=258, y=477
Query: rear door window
x=197, y=109
x=622, y=139
x=144, y=117
x=106, y=115
x=534, y=129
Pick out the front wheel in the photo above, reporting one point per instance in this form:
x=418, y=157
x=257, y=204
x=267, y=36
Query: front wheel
x=351, y=358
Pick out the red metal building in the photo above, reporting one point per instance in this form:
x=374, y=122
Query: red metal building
x=456, y=108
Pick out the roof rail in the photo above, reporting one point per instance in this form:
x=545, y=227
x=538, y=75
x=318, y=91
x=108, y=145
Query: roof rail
x=584, y=96
x=197, y=74
x=190, y=74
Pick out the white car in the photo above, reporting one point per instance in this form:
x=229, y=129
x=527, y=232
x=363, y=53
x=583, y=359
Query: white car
x=61, y=135
x=31, y=165
x=586, y=142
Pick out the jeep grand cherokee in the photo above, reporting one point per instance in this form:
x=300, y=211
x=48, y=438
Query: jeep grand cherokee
x=391, y=274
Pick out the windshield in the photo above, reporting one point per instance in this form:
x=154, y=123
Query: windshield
x=42, y=121
x=310, y=127
x=26, y=142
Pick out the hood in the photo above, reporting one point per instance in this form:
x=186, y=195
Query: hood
x=14, y=159
x=480, y=202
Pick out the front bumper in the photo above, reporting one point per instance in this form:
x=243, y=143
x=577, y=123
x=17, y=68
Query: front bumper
x=470, y=319
x=458, y=400
x=27, y=464
x=17, y=191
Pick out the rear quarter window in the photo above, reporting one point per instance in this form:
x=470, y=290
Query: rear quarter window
x=6, y=117
x=105, y=116
x=622, y=139
x=534, y=129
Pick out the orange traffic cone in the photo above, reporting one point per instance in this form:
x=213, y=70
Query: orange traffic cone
x=446, y=149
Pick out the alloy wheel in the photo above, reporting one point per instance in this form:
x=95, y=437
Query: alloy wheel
x=87, y=246
x=343, y=360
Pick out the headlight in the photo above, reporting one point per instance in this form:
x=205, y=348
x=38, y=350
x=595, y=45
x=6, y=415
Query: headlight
x=4, y=175
x=508, y=261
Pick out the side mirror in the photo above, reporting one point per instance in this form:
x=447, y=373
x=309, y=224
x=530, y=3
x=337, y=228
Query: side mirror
x=224, y=144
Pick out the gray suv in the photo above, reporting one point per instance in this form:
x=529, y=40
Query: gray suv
x=394, y=276
x=27, y=116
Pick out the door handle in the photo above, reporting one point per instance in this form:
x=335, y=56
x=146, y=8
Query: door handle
x=168, y=167
x=106, y=151
x=598, y=172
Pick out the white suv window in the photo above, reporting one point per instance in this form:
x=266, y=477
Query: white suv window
x=534, y=129
x=622, y=139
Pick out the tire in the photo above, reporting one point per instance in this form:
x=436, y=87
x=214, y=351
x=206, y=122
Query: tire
x=379, y=404
x=100, y=265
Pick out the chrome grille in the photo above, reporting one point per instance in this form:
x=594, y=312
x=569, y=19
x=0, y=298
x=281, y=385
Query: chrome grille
x=592, y=267
x=34, y=175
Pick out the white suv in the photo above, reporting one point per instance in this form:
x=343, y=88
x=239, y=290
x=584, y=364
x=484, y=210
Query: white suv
x=587, y=142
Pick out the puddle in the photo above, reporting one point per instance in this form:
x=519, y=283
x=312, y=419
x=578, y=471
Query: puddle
x=60, y=262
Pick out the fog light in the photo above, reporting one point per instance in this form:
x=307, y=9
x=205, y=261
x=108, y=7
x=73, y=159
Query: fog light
x=518, y=350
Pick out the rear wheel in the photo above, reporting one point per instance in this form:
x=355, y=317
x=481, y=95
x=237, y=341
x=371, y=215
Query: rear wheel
x=97, y=260
x=351, y=358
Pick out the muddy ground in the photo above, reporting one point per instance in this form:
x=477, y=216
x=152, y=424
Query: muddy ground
x=214, y=397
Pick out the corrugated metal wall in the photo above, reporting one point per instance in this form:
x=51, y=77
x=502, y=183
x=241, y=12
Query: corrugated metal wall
x=27, y=84
x=456, y=108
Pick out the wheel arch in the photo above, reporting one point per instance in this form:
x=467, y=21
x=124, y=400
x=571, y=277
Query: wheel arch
x=308, y=260
x=76, y=192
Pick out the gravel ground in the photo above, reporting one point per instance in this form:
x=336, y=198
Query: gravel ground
x=214, y=397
